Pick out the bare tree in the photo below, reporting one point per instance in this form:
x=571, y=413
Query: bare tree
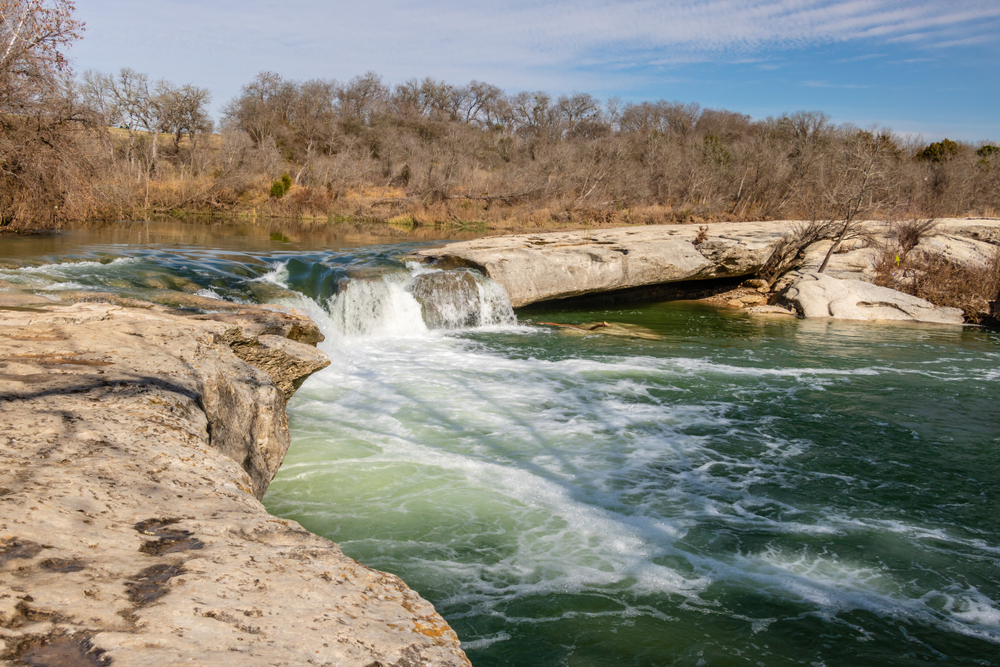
x=853, y=188
x=127, y=101
x=263, y=106
x=535, y=115
x=314, y=116
x=33, y=36
x=363, y=98
x=484, y=105
x=183, y=111
x=39, y=153
x=581, y=116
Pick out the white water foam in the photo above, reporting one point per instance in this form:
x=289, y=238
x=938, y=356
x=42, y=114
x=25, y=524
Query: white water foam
x=410, y=304
x=63, y=268
x=67, y=275
x=209, y=293
x=376, y=307
x=574, y=476
x=278, y=275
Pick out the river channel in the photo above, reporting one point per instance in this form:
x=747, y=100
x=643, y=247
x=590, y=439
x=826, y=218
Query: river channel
x=693, y=487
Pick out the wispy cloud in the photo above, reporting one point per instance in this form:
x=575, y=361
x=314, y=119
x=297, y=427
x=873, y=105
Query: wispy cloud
x=827, y=84
x=396, y=35
x=963, y=42
x=746, y=26
x=628, y=47
x=856, y=59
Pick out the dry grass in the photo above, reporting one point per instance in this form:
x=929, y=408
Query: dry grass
x=941, y=281
x=452, y=174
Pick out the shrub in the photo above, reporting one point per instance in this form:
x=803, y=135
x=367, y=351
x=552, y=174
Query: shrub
x=281, y=186
x=790, y=250
x=942, y=281
x=940, y=151
x=910, y=232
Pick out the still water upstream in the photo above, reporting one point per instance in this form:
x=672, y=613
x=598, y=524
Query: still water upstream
x=712, y=490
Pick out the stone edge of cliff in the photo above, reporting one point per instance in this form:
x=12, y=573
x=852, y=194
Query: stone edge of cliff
x=136, y=442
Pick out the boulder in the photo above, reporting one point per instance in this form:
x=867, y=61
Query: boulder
x=135, y=444
x=819, y=295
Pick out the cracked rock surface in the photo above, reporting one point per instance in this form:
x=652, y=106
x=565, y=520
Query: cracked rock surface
x=558, y=265
x=135, y=443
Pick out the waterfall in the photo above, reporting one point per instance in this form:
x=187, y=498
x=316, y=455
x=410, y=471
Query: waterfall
x=417, y=301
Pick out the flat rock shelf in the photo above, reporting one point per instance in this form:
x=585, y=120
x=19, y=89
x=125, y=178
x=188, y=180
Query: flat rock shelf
x=535, y=268
x=135, y=443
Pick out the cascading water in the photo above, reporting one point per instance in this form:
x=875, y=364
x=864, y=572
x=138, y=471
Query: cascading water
x=680, y=501
x=729, y=491
x=411, y=303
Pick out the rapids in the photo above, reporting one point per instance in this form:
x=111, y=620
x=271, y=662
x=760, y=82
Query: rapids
x=719, y=490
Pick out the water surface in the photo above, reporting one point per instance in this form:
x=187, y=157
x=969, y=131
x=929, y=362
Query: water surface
x=721, y=490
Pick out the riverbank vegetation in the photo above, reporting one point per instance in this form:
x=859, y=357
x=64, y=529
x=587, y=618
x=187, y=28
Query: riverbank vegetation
x=427, y=152
x=972, y=287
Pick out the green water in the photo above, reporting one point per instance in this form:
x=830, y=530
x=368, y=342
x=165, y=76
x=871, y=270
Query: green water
x=739, y=492
x=725, y=491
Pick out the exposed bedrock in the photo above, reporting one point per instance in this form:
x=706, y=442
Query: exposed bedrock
x=559, y=265
x=135, y=443
x=819, y=295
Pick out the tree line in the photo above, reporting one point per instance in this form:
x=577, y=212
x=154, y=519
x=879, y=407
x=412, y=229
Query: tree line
x=119, y=145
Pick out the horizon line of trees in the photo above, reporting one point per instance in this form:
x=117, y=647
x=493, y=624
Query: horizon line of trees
x=424, y=147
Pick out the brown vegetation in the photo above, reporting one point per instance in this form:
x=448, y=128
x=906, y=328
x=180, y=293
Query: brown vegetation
x=427, y=152
x=935, y=278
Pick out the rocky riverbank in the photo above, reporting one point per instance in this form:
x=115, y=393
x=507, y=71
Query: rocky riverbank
x=136, y=442
x=633, y=261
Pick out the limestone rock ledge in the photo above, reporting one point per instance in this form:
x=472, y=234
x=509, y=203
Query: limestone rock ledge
x=558, y=265
x=135, y=443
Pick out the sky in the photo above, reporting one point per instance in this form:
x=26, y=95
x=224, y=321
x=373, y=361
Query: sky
x=927, y=69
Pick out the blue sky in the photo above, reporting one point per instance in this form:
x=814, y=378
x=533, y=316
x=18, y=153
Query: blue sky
x=925, y=68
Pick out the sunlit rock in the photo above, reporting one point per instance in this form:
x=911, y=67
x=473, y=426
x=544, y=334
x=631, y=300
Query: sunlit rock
x=819, y=295
x=135, y=444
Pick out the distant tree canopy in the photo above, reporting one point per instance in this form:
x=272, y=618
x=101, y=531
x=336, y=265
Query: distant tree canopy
x=940, y=151
x=428, y=149
x=129, y=101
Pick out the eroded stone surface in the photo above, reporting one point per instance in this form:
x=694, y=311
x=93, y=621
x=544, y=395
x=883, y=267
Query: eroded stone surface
x=821, y=295
x=134, y=444
x=541, y=267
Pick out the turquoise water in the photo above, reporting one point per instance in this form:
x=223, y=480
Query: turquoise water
x=720, y=490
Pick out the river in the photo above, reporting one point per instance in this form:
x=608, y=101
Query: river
x=705, y=488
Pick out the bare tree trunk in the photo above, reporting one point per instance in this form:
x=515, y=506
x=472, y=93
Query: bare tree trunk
x=836, y=243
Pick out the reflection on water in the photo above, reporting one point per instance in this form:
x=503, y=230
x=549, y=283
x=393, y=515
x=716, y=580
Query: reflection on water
x=261, y=236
